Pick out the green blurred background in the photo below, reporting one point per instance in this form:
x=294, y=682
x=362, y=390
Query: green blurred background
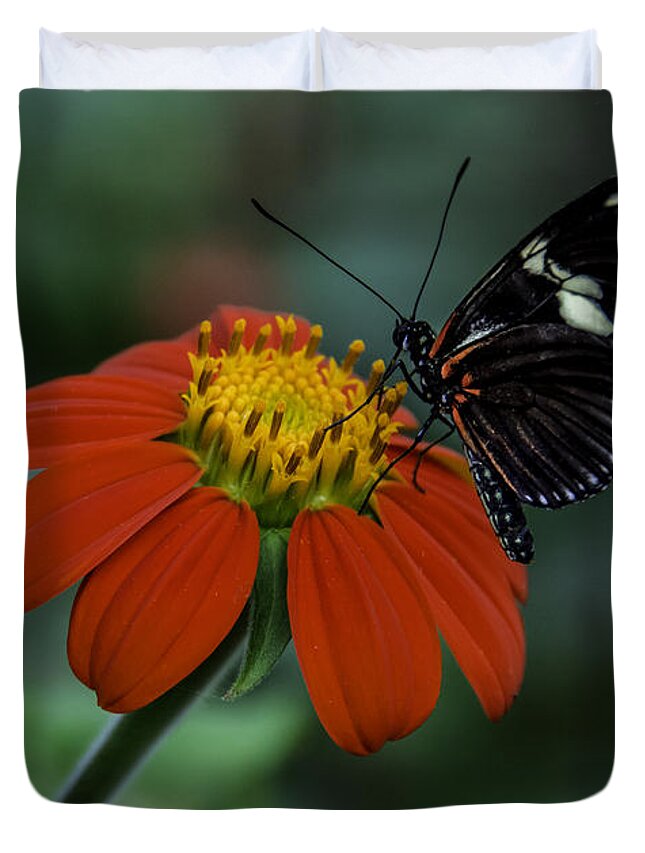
x=134, y=222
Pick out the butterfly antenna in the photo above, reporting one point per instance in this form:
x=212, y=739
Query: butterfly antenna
x=453, y=192
x=256, y=204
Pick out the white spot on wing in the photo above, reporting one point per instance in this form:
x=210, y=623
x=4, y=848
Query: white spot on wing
x=557, y=273
x=579, y=295
x=612, y=201
x=580, y=312
x=536, y=263
x=585, y=285
x=536, y=245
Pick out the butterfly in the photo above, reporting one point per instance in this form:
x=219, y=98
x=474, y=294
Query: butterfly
x=522, y=368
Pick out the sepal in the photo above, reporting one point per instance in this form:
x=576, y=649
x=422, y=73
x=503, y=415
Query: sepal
x=269, y=627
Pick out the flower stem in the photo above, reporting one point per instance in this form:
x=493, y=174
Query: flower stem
x=129, y=739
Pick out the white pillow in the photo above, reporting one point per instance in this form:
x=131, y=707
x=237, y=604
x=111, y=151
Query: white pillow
x=286, y=62
x=567, y=62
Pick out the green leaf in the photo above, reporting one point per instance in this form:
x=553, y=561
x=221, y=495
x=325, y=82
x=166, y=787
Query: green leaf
x=269, y=628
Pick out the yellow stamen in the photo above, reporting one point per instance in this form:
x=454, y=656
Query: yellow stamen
x=288, y=330
x=257, y=418
x=347, y=466
x=401, y=390
x=239, y=327
x=227, y=438
x=206, y=375
x=208, y=411
x=315, y=337
x=316, y=442
x=354, y=352
x=337, y=429
x=262, y=338
x=294, y=460
x=276, y=420
x=249, y=463
x=254, y=418
x=378, y=369
x=377, y=452
x=211, y=427
x=204, y=340
x=390, y=401
x=381, y=422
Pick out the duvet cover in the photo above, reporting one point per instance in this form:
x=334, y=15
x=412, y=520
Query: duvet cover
x=319, y=420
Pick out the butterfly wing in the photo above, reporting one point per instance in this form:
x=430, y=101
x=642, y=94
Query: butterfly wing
x=534, y=402
x=526, y=367
x=562, y=272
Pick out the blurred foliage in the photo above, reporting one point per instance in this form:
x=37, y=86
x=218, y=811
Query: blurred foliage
x=134, y=222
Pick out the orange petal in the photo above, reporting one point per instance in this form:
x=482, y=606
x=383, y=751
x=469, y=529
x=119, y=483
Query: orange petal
x=405, y=417
x=78, y=412
x=164, y=363
x=518, y=577
x=439, y=455
x=366, y=642
x=472, y=599
x=164, y=601
x=446, y=474
x=79, y=511
x=225, y=316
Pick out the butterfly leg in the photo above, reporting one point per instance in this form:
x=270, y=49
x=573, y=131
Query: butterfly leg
x=393, y=366
x=415, y=443
x=426, y=449
x=409, y=378
x=411, y=381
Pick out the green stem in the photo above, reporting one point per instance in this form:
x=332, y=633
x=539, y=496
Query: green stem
x=129, y=739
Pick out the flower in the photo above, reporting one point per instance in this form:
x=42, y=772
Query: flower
x=165, y=465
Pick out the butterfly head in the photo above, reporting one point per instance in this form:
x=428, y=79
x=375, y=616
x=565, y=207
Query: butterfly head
x=414, y=337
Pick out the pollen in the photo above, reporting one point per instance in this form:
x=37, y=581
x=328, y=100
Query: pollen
x=278, y=426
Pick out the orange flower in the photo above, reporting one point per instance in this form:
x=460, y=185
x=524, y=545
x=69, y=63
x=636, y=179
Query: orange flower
x=166, y=464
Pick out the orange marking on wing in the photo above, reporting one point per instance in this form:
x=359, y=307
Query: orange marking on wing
x=439, y=339
x=466, y=380
x=450, y=364
x=461, y=427
x=467, y=438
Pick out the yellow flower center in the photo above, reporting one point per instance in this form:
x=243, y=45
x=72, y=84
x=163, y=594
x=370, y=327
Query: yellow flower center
x=262, y=422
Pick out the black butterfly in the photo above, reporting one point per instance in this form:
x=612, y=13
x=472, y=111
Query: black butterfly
x=523, y=366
